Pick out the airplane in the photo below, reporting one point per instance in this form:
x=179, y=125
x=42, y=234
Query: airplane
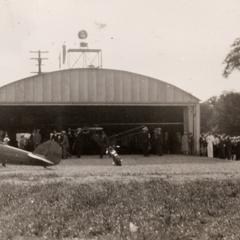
x=46, y=154
x=49, y=153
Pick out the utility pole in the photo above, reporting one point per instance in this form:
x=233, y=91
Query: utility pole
x=39, y=60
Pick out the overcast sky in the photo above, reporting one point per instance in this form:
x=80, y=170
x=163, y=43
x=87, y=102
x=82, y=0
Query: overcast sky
x=182, y=42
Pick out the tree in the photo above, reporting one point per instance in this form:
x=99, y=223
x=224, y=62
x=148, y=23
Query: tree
x=208, y=119
x=228, y=113
x=232, y=60
x=221, y=114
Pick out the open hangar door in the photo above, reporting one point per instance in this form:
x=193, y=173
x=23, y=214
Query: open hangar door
x=114, y=120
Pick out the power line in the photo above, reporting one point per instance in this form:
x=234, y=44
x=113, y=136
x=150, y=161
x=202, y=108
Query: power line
x=39, y=60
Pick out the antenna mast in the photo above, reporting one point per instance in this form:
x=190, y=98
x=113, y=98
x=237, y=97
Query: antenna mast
x=39, y=60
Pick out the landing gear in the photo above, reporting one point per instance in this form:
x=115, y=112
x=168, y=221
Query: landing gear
x=4, y=163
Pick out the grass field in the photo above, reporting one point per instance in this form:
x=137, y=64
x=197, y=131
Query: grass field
x=169, y=197
x=172, y=168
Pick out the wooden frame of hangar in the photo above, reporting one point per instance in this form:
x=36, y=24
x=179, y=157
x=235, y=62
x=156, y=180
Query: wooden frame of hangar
x=141, y=99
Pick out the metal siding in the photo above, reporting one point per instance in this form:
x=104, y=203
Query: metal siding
x=20, y=91
x=118, y=91
x=186, y=98
x=117, y=83
x=92, y=85
x=57, y=87
x=65, y=83
x=143, y=90
x=162, y=92
x=170, y=94
x=2, y=95
x=109, y=88
x=101, y=87
x=38, y=89
x=83, y=86
x=47, y=88
x=74, y=85
x=152, y=91
x=178, y=96
x=135, y=89
x=10, y=93
x=79, y=86
x=126, y=89
x=28, y=90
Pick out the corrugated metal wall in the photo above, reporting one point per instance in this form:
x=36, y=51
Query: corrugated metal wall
x=93, y=86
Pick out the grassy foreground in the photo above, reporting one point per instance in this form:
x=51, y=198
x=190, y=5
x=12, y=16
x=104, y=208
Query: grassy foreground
x=152, y=209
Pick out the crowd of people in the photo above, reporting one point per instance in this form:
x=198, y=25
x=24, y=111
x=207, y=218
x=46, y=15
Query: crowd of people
x=25, y=141
x=81, y=141
x=74, y=141
x=220, y=146
x=154, y=141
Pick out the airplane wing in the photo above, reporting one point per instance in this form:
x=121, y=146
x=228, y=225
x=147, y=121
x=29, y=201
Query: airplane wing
x=39, y=157
x=13, y=155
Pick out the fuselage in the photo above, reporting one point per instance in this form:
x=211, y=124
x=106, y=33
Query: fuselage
x=13, y=155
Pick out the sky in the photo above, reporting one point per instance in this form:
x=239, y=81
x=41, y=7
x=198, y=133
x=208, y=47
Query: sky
x=183, y=42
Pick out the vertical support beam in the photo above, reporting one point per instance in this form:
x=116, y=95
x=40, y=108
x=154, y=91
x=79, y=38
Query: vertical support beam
x=185, y=119
x=191, y=116
x=190, y=119
x=196, y=128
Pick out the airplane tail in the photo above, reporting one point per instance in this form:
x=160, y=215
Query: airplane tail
x=50, y=150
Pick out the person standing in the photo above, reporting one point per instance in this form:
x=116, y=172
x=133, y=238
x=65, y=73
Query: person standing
x=21, y=143
x=36, y=138
x=210, y=142
x=238, y=149
x=191, y=143
x=146, y=141
x=158, y=141
x=65, y=145
x=166, y=143
x=185, y=143
x=103, y=143
x=234, y=148
x=6, y=139
x=71, y=139
x=1, y=135
x=228, y=148
x=222, y=147
x=216, y=145
x=202, y=143
x=54, y=136
x=78, y=144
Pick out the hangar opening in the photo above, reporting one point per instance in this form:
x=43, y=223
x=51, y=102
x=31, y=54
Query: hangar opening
x=114, y=120
x=115, y=100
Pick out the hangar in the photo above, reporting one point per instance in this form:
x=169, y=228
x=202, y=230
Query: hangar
x=116, y=100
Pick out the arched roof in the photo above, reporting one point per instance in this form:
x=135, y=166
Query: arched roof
x=92, y=86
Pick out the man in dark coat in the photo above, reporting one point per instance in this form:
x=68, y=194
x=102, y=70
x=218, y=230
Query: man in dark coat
x=145, y=141
x=36, y=138
x=71, y=139
x=158, y=141
x=228, y=146
x=102, y=142
x=65, y=145
x=78, y=145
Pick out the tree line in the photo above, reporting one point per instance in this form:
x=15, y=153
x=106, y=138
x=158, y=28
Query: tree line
x=222, y=114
